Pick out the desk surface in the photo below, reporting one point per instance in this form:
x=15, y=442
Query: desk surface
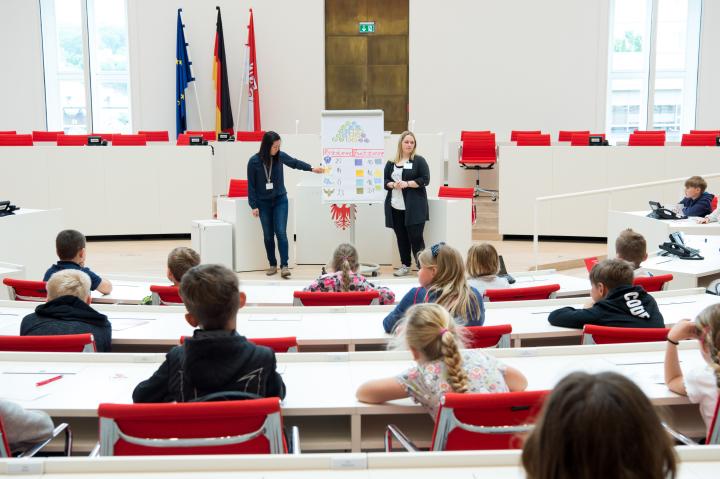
x=709, y=247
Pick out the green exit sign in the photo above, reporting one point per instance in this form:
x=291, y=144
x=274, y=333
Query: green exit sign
x=367, y=27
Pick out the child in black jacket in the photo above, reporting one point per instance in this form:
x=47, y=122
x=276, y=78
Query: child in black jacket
x=615, y=301
x=216, y=358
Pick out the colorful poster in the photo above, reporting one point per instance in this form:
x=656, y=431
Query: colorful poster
x=353, y=151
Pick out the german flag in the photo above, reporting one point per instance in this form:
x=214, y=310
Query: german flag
x=223, y=110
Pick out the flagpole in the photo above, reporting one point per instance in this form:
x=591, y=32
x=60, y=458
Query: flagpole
x=245, y=80
x=194, y=82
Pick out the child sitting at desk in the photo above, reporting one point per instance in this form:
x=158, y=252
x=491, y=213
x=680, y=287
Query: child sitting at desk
x=179, y=261
x=697, y=201
x=68, y=311
x=24, y=428
x=443, y=365
x=442, y=281
x=632, y=247
x=569, y=441
x=216, y=358
x=700, y=384
x=615, y=301
x=345, y=277
x=71, y=248
x=483, y=265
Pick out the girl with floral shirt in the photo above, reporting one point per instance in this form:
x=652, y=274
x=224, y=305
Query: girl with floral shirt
x=345, y=277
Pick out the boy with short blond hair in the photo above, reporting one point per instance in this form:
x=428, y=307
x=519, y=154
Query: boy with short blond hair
x=71, y=248
x=632, y=247
x=615, y=301
x=697, y=201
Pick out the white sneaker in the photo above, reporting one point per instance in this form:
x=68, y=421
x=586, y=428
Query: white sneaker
x=402, y=271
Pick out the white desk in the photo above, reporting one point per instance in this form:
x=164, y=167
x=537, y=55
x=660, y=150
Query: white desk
x=27, y=238
x=690, y=273
x=655, y=231
x=94, y=378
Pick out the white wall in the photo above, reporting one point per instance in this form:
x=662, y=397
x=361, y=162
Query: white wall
x=708, y=100
x=22, y=97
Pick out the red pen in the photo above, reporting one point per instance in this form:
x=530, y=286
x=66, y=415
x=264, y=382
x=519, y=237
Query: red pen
x=48, y=381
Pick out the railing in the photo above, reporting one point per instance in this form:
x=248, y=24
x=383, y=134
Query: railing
x=613, y=189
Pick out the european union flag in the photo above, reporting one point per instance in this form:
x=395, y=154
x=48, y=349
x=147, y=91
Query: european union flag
x=183, y=76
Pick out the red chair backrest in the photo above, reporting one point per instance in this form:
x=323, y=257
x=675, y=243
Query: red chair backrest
x=478, y=151
x=350, y=298
x=698, y=140
x=652, y=283
x=286, y=344
x=714, y=203
x=62, y=343
x=155, y=135
x=515, y=133
x=26, y=290
x=238, y=188
x=580, y=139
x=696, y=132
x=489, y=336
x=564, y=135
x=590, y=262
x=649, y=132
x=544, y=291
x=492, y=410
x=593, y=334
x=207, y=135
x=453, y=192
x=16, y=140
x=533, y=140
x=8, y=132
x=46, y=135
x=129, y=140
x=646, y=140
x=72, y=140
x=249, y=135
x=477, y=135
x=166, y=295
x=177, y=428
x=183, y=139
x=4, y=446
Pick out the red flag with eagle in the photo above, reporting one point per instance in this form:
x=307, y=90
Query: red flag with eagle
x=250, y=78
x=223, y=110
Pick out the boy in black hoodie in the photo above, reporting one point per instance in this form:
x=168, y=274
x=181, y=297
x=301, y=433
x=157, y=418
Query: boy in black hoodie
x=216, y=358
x=68, y=311
x=615, y=301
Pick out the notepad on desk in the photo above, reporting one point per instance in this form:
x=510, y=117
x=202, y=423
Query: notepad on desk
x=121, y=324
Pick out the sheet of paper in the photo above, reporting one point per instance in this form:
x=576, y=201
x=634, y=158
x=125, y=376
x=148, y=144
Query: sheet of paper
x=121, y=324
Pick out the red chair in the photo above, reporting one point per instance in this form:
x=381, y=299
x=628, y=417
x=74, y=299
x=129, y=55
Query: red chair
x=698, y=140
x=32, y=450
x=590, y=262
x=16, y=140
x=646, y=140
x=489, y=336
x=8, y=132
x=515, y=133
x=478, y=421
x=564, y=135
x=129, y=140
x=533, y=140
x=287, y=344
x=25, y=290
x=696, y=132
x=649, y=132
x=714, y=203
x=207, y=135
x=249, y=135
x=72, y=140
x=166, y=295
x=61, y=343
x=546, y=291
x=46, y=135
x=593, y=334
x=253, y=426
x=479, y=155
x=238, y=188
x=183, y=139
x=349, y=298
x=653, y=283
x=451, y=192
x=155, y=135
x=466, y=135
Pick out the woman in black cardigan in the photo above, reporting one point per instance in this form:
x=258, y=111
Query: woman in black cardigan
x=406, y=205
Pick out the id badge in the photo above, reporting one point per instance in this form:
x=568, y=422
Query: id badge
x=407, y=166
x=268, y=186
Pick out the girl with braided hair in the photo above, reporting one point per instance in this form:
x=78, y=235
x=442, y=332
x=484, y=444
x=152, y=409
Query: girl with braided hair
x=344, y=276
x=700, y=385
x=436, y=342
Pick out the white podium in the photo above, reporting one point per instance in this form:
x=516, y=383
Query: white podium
x=213, y=240
x=248, y=246
x=27, y=238
x=9, y=270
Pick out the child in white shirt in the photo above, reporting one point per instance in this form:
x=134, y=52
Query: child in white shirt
x=483, y=265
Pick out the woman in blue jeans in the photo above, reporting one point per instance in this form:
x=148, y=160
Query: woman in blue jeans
x=267, y=196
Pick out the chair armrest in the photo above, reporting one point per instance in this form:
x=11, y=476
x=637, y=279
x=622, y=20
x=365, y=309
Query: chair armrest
x=295, y=441
x=64, y=427
x=681, y=438
x=393, y=431
x=95, y=451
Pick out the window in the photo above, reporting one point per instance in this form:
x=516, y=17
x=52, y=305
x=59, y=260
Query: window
x=85, y=50
x=653, y=66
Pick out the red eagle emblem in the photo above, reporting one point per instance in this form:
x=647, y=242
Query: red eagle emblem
x=342, y=215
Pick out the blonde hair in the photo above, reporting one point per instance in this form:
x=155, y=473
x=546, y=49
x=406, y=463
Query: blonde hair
x=482, y=260
x=398, y=154
x=68, y=282
x=708, y=326
x=345, y=259
x=429, y=329
x=449, y=285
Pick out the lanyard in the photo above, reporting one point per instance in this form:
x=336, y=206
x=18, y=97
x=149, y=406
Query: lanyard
x=268, y=171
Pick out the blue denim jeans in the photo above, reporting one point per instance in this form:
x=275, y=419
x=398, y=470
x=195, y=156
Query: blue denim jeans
x=273, y=218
